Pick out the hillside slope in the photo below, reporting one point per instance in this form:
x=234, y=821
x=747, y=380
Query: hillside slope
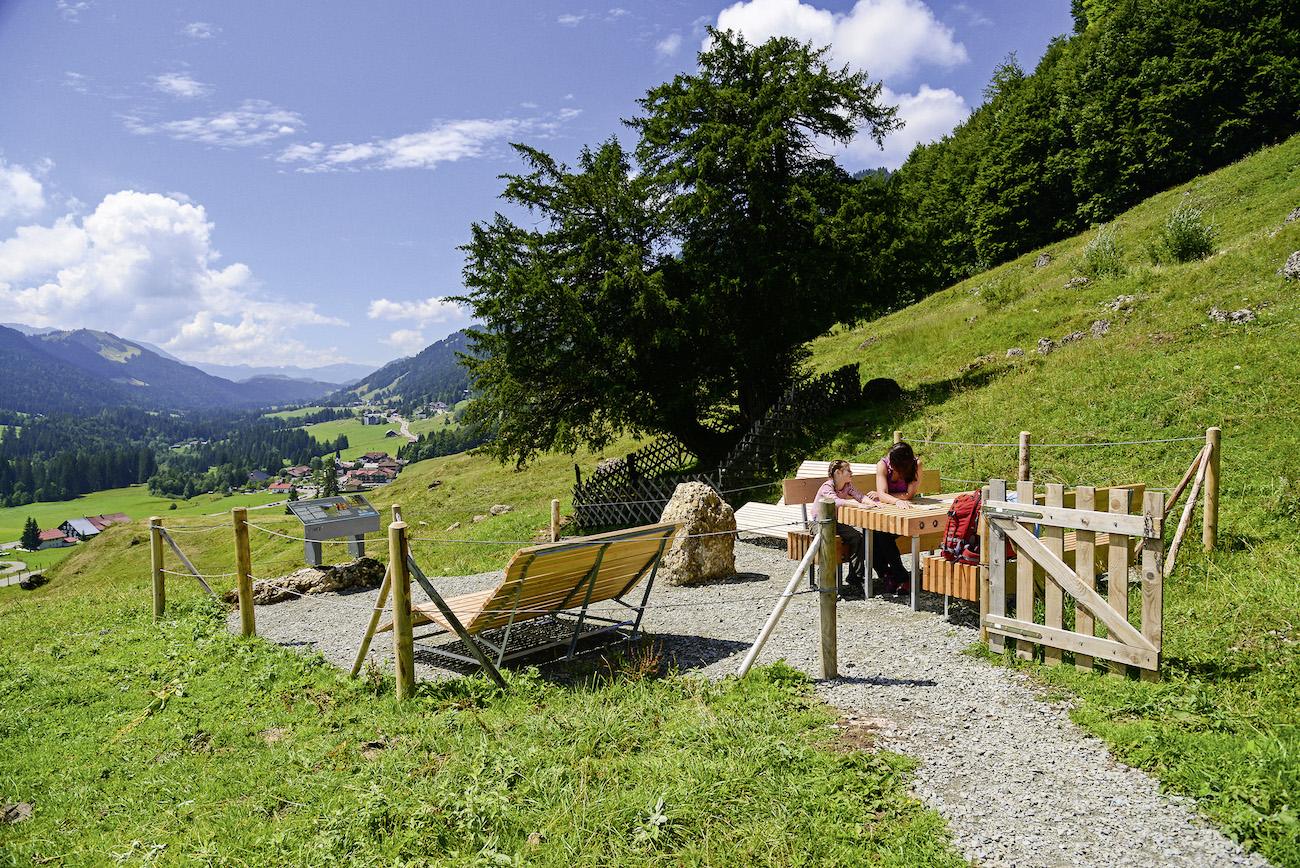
x=1222, y=725
x=433, y=374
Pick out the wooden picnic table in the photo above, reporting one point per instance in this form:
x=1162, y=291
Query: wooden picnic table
x=925, y=517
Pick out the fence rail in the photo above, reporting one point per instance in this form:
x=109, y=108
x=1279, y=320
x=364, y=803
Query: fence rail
x=635, y=489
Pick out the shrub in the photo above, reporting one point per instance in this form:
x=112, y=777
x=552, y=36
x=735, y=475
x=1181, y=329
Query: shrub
x=1103, y=256
x=1185, y=237
x=1000, y=292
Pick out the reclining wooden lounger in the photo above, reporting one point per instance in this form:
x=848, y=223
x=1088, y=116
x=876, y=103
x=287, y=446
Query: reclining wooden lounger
x=544, y=580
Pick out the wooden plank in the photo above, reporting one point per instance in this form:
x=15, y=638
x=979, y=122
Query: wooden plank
x=1192, y=470
x=997, y=557
x=1100, y=522
x=1053, y=598
x=1059, y=572
x=1153, y=586
x=1117, y=574
x=1185, y=521
x=1085, y=567
x=1025, y=581
x=1106, y=649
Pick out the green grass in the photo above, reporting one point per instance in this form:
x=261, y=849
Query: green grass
x=134, y=500
x=293, y=414
x=178, y=742
x=1222, y=727
x=370, y=438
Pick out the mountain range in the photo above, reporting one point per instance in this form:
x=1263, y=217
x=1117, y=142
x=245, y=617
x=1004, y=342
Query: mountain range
x=71, y=371
x=433, y=374
x=339, y=374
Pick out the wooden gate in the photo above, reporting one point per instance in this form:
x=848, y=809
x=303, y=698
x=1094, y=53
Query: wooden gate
x=1107, y=540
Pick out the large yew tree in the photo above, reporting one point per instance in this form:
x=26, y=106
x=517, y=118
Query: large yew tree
x=672, y=289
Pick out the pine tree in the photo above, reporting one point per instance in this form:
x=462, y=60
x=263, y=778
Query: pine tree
x=31, y=538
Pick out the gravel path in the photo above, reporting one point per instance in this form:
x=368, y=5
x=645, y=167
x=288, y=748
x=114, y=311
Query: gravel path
x=1016, y=780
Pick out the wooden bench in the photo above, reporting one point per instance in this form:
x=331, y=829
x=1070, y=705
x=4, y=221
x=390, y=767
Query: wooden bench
x=940, y=576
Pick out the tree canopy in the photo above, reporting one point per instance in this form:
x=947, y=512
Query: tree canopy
x=672, y=289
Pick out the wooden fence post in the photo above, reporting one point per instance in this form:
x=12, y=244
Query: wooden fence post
x=156, y=555
x=1024, y=457
x=826, y=584
x=898, y=436
x=1210, y=529
x=555, y=520
x=403, y=641
x=243, y=572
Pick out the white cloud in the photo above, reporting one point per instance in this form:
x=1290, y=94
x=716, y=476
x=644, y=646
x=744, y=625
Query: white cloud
x=408, y=342
x=200, y=30
x=928, y=115
x=180, y=84
x=975, y=17
x=444, y=142
x=667, y=47
x=570, y=20
x=142, y=265
x=21, y=193
x=420, y=312
x=75, y=81
x=255, y=122
x=71, y=9
x=887, y=38
x=617, y=12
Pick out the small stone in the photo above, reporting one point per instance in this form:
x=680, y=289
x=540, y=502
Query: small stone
x=871, y=339
x=1290, y=269
x=1014, y=352
x=1235, y=317
x=1292, y=217
x=1043, y=260
x=455, y=525
x=16, y=813
x=1072, y=337
x=1045, y=346
x=1120, y=302
x=499, y=509
x=1100, y=328
x=476, y=519
x=1076, y=282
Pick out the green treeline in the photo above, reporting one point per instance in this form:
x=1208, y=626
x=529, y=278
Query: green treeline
x=1146, y=94
x=444, y=441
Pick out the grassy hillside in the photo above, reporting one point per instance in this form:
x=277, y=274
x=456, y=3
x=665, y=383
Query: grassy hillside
x=371, y=438
x=1222, y=726
x=178, y=742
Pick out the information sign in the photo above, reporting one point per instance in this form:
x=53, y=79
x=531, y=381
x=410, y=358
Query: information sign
x=325, y=518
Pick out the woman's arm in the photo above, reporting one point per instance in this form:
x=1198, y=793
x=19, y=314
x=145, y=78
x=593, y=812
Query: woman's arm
x=882, y=485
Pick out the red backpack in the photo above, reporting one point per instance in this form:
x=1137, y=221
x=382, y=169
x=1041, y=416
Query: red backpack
x=961, y=536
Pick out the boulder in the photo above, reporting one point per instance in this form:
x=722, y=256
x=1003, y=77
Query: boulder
x=354, y=575
x=1043, y=260
x=1076, y=282
x=1100, y=328
x=1292, y=217
x=32, y=582
x=1045, y=346
x=1072, y=337
x=700, y=510
x=1291, y=268
x=1014, y=352
x=1119, y=303
x=881, y=390
x=499, y=509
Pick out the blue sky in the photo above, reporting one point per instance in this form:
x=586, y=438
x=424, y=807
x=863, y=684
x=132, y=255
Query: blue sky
x=279, y=183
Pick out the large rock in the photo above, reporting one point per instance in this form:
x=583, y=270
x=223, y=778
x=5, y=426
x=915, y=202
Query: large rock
x=882, y=390
x=1291, y=268
x=354, y=575
x=700, y=510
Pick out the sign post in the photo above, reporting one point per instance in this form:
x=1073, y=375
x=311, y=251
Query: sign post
x=349, y=516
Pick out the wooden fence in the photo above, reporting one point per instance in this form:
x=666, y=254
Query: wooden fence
x=1056, y=576
x=635, y=489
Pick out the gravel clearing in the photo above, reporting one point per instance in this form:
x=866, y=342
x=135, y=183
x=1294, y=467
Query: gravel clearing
x=1016, y=780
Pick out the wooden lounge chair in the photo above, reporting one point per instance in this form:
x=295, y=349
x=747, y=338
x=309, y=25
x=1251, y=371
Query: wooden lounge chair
x=545, y=580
